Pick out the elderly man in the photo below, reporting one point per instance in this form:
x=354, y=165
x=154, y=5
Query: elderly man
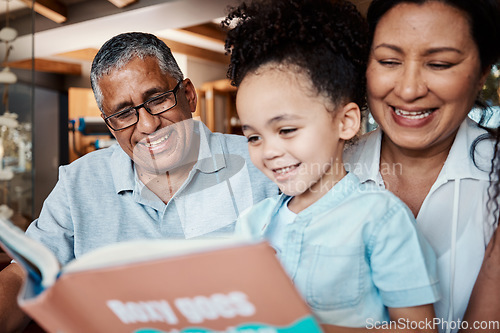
x=168, y=177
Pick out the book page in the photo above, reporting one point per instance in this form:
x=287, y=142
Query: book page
x=38, y=261
x=148, y=249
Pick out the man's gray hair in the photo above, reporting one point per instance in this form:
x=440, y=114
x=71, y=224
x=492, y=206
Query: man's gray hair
x=121, y=49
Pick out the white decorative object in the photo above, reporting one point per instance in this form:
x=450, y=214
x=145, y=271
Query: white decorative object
x=6, y=212
x=7, y=77
x=8, y=34
x=9, y=119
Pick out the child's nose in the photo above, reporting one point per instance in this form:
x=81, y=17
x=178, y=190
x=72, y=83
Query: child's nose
x=272, y=149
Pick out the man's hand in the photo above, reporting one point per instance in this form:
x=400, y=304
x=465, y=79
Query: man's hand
x=12, y=319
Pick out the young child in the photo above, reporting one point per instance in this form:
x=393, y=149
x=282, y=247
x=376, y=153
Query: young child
x=351, y=249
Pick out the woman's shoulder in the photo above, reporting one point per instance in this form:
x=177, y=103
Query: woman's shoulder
x=356, y=148
x=362, y=157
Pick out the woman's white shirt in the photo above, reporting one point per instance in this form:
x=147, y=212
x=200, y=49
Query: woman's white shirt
x=453, y=217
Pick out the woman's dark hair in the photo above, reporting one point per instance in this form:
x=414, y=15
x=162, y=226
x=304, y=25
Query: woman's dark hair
x=325, y=39
x=494, y=189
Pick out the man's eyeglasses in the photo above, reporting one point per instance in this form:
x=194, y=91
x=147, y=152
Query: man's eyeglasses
x=156, y=105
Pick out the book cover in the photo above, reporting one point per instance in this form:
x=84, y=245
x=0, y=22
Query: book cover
x=234, y=286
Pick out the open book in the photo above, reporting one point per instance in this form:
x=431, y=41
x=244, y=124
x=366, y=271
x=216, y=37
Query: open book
x=159, y=286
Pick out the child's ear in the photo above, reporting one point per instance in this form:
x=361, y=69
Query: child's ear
x=349, y=118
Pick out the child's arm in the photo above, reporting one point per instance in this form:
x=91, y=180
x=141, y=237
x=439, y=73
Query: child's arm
x=484, y=303
x=404, y=320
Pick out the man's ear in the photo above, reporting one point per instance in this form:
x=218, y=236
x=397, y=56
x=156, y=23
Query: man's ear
x=349, y=118
x=190, y=92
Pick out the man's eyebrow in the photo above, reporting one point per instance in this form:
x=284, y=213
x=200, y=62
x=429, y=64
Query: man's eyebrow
x=145, y=96
x=120, y=107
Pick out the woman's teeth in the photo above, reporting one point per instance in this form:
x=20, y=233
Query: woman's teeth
x=413, y=115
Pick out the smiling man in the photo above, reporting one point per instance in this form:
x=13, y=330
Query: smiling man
x=168, y=176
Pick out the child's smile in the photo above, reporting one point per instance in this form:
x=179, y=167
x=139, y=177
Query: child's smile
x=285, y=171
x=292, y=138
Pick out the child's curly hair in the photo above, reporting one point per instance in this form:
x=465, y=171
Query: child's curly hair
x=327, y=39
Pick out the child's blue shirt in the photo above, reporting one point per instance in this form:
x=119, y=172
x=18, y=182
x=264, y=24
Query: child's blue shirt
x=352, y=253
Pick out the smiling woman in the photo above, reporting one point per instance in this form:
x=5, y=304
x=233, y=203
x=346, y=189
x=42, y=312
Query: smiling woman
x=423, y=80
x=428, y=63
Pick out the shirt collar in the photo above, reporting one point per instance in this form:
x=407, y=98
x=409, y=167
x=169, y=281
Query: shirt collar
x=458, y=164
x=366, y=166
x=336, y=195
x=211, y=158
x=122, y=170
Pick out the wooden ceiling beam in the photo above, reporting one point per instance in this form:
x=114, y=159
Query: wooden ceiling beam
x=122, y=3
x=190, y=50
x=51, y=9
x=87, y=54
x=61, y=67
x=210, y=31
x=45, y=65
x=197, y=52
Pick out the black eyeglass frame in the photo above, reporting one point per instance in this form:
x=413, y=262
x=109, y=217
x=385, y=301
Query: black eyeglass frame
x=144, y=105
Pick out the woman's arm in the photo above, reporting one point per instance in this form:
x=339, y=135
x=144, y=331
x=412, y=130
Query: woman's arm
x=484, y=303
x=404, y=320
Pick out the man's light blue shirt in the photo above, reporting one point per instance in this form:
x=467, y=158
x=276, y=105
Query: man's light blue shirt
x=99, y=200
x=352, y=253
